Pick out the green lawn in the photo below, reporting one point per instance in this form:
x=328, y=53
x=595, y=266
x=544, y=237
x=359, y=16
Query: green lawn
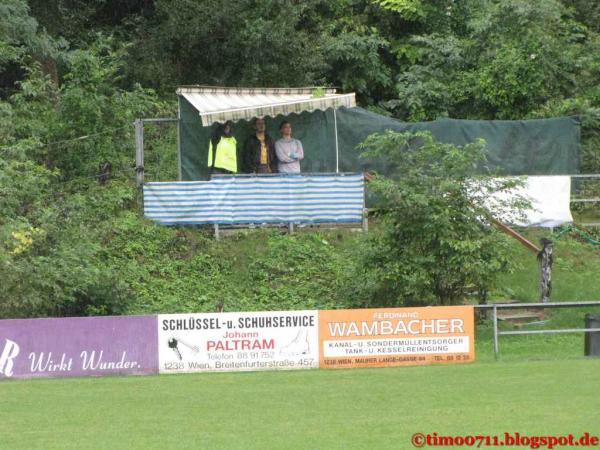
x=538, y=346
x=360, y=408
x=575, y=278
x=540, y=385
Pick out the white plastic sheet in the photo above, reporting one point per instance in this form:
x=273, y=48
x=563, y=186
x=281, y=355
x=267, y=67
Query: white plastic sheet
x=550, y=201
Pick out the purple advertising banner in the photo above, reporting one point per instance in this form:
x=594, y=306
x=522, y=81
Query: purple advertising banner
x=78, y=346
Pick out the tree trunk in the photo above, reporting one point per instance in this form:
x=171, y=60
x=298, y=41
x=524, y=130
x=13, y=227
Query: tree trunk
x=545, y=260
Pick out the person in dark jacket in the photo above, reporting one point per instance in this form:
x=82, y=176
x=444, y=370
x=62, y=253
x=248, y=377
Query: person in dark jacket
x=259, y=150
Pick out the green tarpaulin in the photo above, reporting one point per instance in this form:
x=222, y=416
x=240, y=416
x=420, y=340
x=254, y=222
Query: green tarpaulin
x=522, y=147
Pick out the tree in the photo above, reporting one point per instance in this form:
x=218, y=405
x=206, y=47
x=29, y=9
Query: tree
x=54, y=217
x=21, y=38
x=224, y=43
x=494, y=60
x=436, y=242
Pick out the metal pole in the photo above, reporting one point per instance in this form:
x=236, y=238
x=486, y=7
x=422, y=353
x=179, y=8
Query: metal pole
x=179, y=139
x=160, y=120
x=139, y=152
x=365, y=224
x=571, y=304
x=564, y=330
x=496, y=347
x=337, y=148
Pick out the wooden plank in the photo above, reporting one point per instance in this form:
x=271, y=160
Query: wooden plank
x=512, y=233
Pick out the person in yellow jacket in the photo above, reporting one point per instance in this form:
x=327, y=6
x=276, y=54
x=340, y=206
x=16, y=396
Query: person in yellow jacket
x=224, y=159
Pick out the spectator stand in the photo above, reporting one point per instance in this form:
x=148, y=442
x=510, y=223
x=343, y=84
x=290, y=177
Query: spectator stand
x=330, y=127
x=329, y=197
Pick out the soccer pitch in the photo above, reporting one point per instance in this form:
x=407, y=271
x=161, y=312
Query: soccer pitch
x=358, y=408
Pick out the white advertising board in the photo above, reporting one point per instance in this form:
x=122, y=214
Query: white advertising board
x=238, y=341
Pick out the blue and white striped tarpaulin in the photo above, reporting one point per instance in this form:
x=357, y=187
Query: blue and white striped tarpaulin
x=232, y=200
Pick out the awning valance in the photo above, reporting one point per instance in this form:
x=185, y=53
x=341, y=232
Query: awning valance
x=216, y=104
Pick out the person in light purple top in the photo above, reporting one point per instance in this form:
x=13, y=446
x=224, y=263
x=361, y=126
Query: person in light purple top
x=289, y=150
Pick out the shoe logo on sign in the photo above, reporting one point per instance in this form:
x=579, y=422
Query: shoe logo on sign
x=10, y=352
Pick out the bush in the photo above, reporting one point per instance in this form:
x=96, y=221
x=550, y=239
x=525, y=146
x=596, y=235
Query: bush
x=436, y=241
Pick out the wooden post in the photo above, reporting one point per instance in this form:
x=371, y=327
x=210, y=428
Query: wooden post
x=545, y=260
x=139, y=152
x=367, y=177
x=105, y=169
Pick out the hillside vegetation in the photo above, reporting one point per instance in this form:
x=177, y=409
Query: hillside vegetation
x=75, y=74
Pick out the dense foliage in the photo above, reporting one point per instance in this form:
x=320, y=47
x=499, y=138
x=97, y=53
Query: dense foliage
x=74, y=75
x=436, y=241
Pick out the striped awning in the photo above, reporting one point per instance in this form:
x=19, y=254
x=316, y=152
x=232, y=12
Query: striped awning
x=215, y=104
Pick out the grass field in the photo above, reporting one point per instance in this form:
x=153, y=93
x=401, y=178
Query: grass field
x=360, y=408
x=540, y=385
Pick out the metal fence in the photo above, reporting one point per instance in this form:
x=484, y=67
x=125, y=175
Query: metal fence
x=496, y=306
x=585, y=190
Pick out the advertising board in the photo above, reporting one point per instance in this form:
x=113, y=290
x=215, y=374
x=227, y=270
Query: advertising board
x=396, y=336
x=237, y=341
x=78, y=346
